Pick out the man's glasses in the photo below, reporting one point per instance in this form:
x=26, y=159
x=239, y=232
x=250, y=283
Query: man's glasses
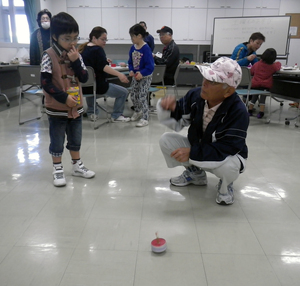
x=68, y=40
x=164, y=34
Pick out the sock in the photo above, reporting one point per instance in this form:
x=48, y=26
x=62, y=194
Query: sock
x=74, y=161
x=57, y=165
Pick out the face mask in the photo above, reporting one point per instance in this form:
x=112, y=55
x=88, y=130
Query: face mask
x=45, y=25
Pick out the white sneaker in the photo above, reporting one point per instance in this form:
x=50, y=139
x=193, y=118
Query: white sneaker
x=79, y=170
x=186, y=178
x=136, y=116
x=142, y=123
x=59, y=179
x=121, y=118
x=94, y=117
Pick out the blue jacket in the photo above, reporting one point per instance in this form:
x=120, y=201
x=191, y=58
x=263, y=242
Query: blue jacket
x=141, y=60
x=240, y=54
x=225, y=135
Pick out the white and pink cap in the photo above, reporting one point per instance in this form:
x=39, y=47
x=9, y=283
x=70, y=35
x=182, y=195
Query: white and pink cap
x=223, y=70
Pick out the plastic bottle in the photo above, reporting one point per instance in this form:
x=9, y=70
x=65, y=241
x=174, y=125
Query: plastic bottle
x=295, y=66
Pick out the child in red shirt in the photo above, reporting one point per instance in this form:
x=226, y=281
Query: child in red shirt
x=262, y=79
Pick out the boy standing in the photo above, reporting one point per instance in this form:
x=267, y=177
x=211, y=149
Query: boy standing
x=62, y=68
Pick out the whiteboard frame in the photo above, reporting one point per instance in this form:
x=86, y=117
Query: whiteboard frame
x=279, y=53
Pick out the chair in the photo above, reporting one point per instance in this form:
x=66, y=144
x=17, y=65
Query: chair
x=157, y=81
x=3, y=94
x=244, y=88
x=29, y=76
x=92, y=82
x=187, y=75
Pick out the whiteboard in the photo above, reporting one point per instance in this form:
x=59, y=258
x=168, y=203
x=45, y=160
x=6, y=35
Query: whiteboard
x=229, y=32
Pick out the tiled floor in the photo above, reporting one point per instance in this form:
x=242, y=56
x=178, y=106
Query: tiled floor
x=98, y=231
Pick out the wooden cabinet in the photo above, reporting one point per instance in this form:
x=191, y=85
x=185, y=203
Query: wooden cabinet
x=261, y=8
x=117, y=22
x=154, y=3
x=189, y=24
x=155, y=18
x=238, y=4
x=189, y=4
x=81, y=3
x=118, y=3
x=87, y=18
x=223, y=12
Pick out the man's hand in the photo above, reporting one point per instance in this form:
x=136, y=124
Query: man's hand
x=168, y=102
x=73, y=54
x=181, y=154
x=251, y=57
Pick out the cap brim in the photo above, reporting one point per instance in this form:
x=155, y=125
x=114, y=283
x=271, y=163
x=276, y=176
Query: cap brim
x=158, y=31
x=207, y=72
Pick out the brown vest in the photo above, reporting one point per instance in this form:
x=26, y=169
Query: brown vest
x=61, y=73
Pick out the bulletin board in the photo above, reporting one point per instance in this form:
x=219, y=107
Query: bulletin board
x=231, y=31
x=295, y=24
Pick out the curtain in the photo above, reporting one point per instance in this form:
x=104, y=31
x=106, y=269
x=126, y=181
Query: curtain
x=31, y=13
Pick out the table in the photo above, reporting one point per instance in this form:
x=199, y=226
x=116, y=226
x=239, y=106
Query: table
x=286, y=85
x=7, y=69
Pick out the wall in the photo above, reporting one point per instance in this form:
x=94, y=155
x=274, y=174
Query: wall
x=292, y=6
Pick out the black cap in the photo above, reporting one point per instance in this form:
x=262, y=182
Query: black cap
x=165, y=29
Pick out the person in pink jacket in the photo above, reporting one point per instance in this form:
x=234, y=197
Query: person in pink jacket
x=262, y=79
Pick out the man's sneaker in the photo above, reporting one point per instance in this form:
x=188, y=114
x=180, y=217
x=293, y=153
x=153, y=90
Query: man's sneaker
x=59, y=179
x=142, y=123
x=121, y=118
x=136, y=116
x=79, y=170
x=94, y=117
x=186, y=178
x=225, y=199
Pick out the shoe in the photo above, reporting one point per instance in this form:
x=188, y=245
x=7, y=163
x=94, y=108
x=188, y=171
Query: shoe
x=250, y=112
x=225, y=199
x=59, y=179
x=136, y=116
x=260, y=115
x=142, y=123
x=121, y=118
x=94, y=117
x=79, y=170
x=294, y=104
x=186, y=178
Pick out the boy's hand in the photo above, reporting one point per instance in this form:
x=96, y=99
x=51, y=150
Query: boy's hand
x=71, y=101
x=73, y=54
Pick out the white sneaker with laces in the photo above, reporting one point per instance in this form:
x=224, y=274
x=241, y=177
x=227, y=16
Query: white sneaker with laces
x=142, y=123
x=186, y=178
x=59, y=179
x=121, y=118
x=79, y=170
x=136, y=116
x=94, y=117
x=225, y=199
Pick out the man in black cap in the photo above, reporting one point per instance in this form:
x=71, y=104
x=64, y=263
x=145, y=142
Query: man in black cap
x=170, y=54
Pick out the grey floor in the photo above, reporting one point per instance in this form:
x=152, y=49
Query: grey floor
x=98, y=231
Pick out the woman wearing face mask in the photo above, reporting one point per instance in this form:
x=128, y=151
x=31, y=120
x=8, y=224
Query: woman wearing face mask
x=40, y=39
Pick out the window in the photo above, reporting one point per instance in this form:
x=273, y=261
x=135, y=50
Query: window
x=13, y=22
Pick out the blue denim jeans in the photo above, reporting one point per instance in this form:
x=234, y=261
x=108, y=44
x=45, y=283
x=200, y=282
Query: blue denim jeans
x=59, y=128
x=115, y=91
